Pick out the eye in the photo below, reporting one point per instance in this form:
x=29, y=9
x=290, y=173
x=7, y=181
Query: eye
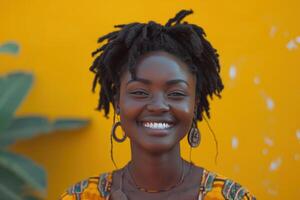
x=139, y=93
x=177, y=94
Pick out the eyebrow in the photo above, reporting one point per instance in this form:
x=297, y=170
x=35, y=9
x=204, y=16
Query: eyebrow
x=148, y=82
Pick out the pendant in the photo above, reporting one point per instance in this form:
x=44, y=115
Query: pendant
x=118, y=195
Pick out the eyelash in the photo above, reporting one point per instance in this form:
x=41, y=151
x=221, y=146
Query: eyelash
x=177, y=94
x=143, y=94
x=139, y=93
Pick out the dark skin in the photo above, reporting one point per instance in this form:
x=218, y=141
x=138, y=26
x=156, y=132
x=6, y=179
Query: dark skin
x=164, y=92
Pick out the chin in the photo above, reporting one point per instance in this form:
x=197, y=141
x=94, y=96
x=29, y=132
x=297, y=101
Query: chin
x=158, y=148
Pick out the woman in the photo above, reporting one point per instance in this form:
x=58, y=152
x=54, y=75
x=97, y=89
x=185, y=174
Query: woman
x=158, y=79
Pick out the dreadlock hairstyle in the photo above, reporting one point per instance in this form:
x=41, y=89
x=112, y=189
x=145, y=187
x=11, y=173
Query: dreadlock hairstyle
x=182, y=39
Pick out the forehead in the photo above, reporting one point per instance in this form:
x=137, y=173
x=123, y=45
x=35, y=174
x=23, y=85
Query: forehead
x=160, y=66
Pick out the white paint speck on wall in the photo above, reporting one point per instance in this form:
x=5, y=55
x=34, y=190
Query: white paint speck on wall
x=273, y=31
x=270, y=103
x=232, y=72
x=268, y=141
x=298, y=134
x=296, y=157
x=291, y=45
x=234, y=142
x=275, y=164
x=265, y=151
x=270, y=187
x=256, y=80
x=297, y=39
x=268, y=100
x=272, y=192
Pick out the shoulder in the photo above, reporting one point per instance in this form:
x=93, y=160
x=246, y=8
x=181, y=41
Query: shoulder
x=95, y=187
x=215, y=186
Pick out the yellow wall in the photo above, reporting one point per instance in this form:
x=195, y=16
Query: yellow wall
x=258, y=40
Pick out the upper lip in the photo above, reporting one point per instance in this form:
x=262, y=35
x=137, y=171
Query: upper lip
x=158, y=120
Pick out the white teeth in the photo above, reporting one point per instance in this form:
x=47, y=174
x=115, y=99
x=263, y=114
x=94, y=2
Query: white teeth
x=156, y=125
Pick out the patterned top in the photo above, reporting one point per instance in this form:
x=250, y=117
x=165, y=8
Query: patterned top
x=212, y=187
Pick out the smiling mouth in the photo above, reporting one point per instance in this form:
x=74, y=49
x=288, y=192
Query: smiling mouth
x=157, y=125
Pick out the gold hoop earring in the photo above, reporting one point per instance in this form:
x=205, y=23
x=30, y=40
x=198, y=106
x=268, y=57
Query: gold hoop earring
x=113, y=133
x=194, y=135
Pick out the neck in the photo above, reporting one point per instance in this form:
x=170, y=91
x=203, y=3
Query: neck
x=155, y=171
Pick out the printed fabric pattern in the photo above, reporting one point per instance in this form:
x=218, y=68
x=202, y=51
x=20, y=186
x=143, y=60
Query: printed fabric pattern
x=212, y=187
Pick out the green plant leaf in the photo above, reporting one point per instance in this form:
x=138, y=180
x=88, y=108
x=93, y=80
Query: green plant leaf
x=13, y=88
x=6, y=194
x=26, y=127
x=9, y=47
x=32, y=198
x=67, y=123
x=30, y=126
x=5, y=142
x=26, y=170
x=11, y=186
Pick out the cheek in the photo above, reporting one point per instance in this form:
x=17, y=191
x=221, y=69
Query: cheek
x=185, y=109
x=184, y=112
x=130, y=110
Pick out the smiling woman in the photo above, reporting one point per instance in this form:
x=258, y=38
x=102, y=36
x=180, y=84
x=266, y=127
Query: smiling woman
x=157, y=108
x=158, y=79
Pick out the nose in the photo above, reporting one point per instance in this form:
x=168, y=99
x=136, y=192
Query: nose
x=158, y=104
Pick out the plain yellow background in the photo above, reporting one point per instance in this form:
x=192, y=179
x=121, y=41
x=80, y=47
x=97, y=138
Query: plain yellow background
x=256, y=121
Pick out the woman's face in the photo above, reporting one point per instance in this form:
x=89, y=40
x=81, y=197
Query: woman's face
x=157, y=108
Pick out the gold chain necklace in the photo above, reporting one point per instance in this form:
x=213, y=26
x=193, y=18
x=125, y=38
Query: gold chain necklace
x=182, y=177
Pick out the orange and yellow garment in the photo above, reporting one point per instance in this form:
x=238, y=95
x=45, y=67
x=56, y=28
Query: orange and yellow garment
x=212, y=187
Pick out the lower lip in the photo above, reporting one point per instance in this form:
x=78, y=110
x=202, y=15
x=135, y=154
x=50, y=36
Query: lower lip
x=157, y=132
